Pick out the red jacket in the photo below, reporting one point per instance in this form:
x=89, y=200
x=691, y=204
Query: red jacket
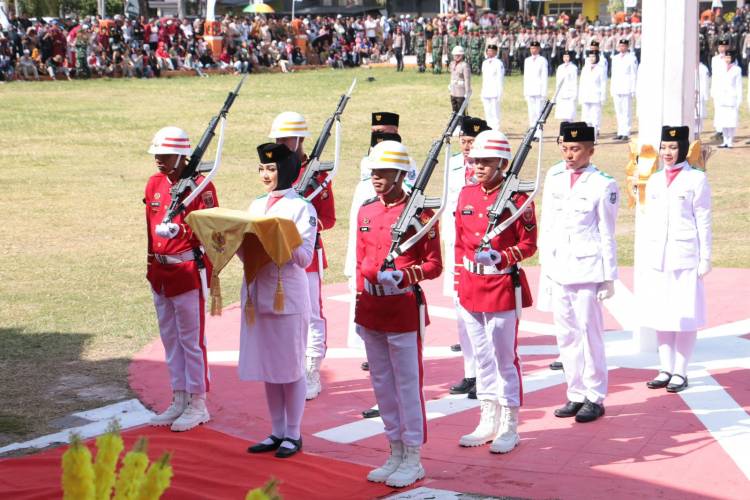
x=491, y=293
x=393, y=313
x=326, y=209
x=173, y=279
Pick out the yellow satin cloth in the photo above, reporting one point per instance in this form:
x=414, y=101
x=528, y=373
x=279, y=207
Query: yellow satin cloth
x=224, y=231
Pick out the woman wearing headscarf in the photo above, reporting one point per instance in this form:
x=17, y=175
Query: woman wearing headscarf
x=273, y=336
x=677, y=257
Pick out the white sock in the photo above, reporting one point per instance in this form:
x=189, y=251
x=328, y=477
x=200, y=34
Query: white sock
x=294, y=403
x=684, y=344
x=665, y=341
x=275, y=400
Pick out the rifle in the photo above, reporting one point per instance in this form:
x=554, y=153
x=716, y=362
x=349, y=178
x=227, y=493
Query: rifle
x=314, y=166
x=194, y=166
x=512, y=184
x=417, y=201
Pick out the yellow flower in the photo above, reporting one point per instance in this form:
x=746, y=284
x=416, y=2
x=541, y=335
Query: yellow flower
x=109, y=446
x=157, y=479
x=78, y=473
x=269, y=491
x=132, y=472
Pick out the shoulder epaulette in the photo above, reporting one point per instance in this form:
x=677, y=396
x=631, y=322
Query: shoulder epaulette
x=261, y=196
x=605, y=175
x=370, y=200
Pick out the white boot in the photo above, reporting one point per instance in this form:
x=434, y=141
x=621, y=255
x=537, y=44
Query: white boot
x=409, y=471
x=382, y=473
x=313, y=377
x=179, y=403
x=195, y=414
x=489, y=422
x=507, y=437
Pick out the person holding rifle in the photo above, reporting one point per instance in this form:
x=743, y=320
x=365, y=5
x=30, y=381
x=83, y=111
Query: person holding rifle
x=388, y=313
x=290, y=128
x=174, y=272
x=578, y=257
x=487, y=292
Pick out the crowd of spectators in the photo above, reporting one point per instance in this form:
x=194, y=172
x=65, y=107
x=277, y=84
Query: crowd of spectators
x=75, y=47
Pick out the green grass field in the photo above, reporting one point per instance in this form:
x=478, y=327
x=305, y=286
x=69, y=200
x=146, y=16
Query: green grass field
x=75, y=302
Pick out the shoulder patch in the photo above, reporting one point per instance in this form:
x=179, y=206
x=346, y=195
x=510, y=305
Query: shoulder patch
x=605, y=175
x=370, y=200
x=261, y=196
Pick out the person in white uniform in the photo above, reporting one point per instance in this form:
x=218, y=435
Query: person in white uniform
x=592, y=91
x=460, y=174
x=704, y=92
x=567, y=73
x=678, y=253
x=493, y=73
x=622, y=87
x=577, y=253
x=273, y=341
x=717, y=62
x=727, y=88
x=535, y=72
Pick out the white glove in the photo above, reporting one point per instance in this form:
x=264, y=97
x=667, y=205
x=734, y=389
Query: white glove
x=390, y=278
x=168, y=230
x=704, y=267
x=605, y=291
x=487, y=257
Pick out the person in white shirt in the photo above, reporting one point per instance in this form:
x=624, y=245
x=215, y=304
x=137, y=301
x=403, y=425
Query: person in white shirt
x=727, y=91
x=592, y=91
x=717, y=62
x=678, y=257
x=567, y=73
x=578, y=257
x=535, y=72
x=704, y=91
x=622, y=87
x=493, y=72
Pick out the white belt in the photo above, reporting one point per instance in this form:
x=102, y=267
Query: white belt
x=476, y=268
x=174, y=259
x=379, y=290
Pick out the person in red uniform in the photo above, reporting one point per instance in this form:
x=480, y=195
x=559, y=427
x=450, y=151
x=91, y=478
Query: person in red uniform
x=388, y=314
x=177, y=272
x=487, y=293
x=290, y=128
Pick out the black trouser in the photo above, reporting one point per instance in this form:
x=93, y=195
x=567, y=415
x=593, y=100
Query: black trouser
x=456, y=103
x=399, y=58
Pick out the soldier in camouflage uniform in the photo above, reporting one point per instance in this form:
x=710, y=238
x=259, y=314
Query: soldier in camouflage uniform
x=476, y=50
x=82, y=45
x=419, y=47
x=453, y=39
x=437, y=51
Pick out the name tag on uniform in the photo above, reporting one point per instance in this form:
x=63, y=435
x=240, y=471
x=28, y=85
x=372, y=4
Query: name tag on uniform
x=364, y=229
x=467, y=210
x=155, y=204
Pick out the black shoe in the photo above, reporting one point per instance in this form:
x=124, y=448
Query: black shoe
x=262, y=448
x=678, y=387
x=723, y=146
x=569, y=410
x=625, y=138
x=589, y=412
x=456, y=348
x=365, y=366
x=371, y=413
x=464, y=386
x=556, y=365
x=659, y=384
x=618, y=137
x=472, y=393
x=283, y=452
x=718, y=135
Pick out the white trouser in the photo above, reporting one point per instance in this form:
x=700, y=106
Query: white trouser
x=470, y=362
x=580, y=327
x=675, y=350
x=728, y=134
x=492, y=112
x=181, y=326
x=396, y=375
x=494, y=339
x=316, y=331
x=534, y=107
x=623, y=105
x=353, y=340
x=591, y=113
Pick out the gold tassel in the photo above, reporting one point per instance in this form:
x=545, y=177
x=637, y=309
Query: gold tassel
x=216, y=305
x=278, y=299
x=249, y=308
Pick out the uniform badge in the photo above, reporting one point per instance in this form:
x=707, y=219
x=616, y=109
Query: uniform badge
x=269, y=154
x=218, y=241
x=528, y=215
x=672, y=133
x=364, y=229
x=157, y=196
x=431, y=235
x=154, y=204
x=365, y=221
x=574, y=133
x=378, y=118
x=208, y=199
x=613, y=197
x=476, y=128
x=467, y=210
x=324, y=194
x=313, y=221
